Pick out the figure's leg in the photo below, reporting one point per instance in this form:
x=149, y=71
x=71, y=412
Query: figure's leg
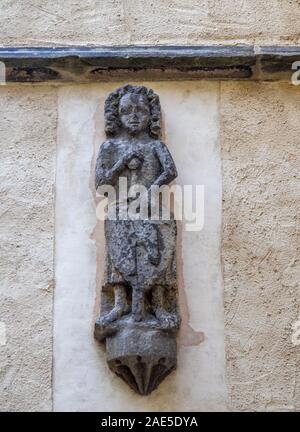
x=138, y=304
x=120, y=308
x=166, y=318
x=150, y=238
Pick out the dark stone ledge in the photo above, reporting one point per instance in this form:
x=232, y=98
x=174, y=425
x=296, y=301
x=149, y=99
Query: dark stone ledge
x=276, y=61
x=90, y=64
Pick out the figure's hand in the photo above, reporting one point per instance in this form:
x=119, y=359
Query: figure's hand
x=133, y=159
x=132, y=154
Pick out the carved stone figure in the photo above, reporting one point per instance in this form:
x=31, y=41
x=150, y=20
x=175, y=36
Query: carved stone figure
x=139, y=312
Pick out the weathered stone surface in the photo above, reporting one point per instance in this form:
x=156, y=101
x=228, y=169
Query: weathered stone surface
x=88, y=64
x=140, y=280
x=95, y=63
x=30, y=74
x=28, y=144
x=99, y=22
x=276, y=62
x=142, y=356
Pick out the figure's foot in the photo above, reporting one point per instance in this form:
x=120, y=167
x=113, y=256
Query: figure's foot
x=116, y=313
x=166, y=319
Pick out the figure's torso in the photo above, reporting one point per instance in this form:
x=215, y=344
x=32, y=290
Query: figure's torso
x=149, y=169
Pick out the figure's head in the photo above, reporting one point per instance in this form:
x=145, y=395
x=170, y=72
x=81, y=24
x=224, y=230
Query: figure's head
x=134, y=108
x=134, y=112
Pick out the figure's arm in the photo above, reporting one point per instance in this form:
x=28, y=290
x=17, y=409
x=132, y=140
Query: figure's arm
x=169, y=169
x=105, y=174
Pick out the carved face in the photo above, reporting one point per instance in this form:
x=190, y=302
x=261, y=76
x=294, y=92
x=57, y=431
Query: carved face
x=134, y=113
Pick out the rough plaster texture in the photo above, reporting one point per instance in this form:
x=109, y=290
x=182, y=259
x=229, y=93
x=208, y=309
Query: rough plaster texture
x=28, y=141
x=260, y=132
x=45, y=22
x=82, y=380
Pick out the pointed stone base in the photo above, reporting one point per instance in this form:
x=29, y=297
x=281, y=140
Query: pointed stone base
x=142, y=357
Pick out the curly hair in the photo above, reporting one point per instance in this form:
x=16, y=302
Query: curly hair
x=111, y=109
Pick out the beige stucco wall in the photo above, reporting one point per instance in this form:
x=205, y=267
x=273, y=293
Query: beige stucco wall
x=27, y=155
x=260, y=133
x=98, y=22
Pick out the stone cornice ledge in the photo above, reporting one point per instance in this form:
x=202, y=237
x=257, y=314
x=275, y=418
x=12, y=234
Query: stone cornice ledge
x=92, y=64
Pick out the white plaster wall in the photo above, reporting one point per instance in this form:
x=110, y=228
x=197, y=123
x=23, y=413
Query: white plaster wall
x=82, y=380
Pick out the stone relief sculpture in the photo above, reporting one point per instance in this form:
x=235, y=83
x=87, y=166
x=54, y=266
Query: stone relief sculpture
x=139, y=311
